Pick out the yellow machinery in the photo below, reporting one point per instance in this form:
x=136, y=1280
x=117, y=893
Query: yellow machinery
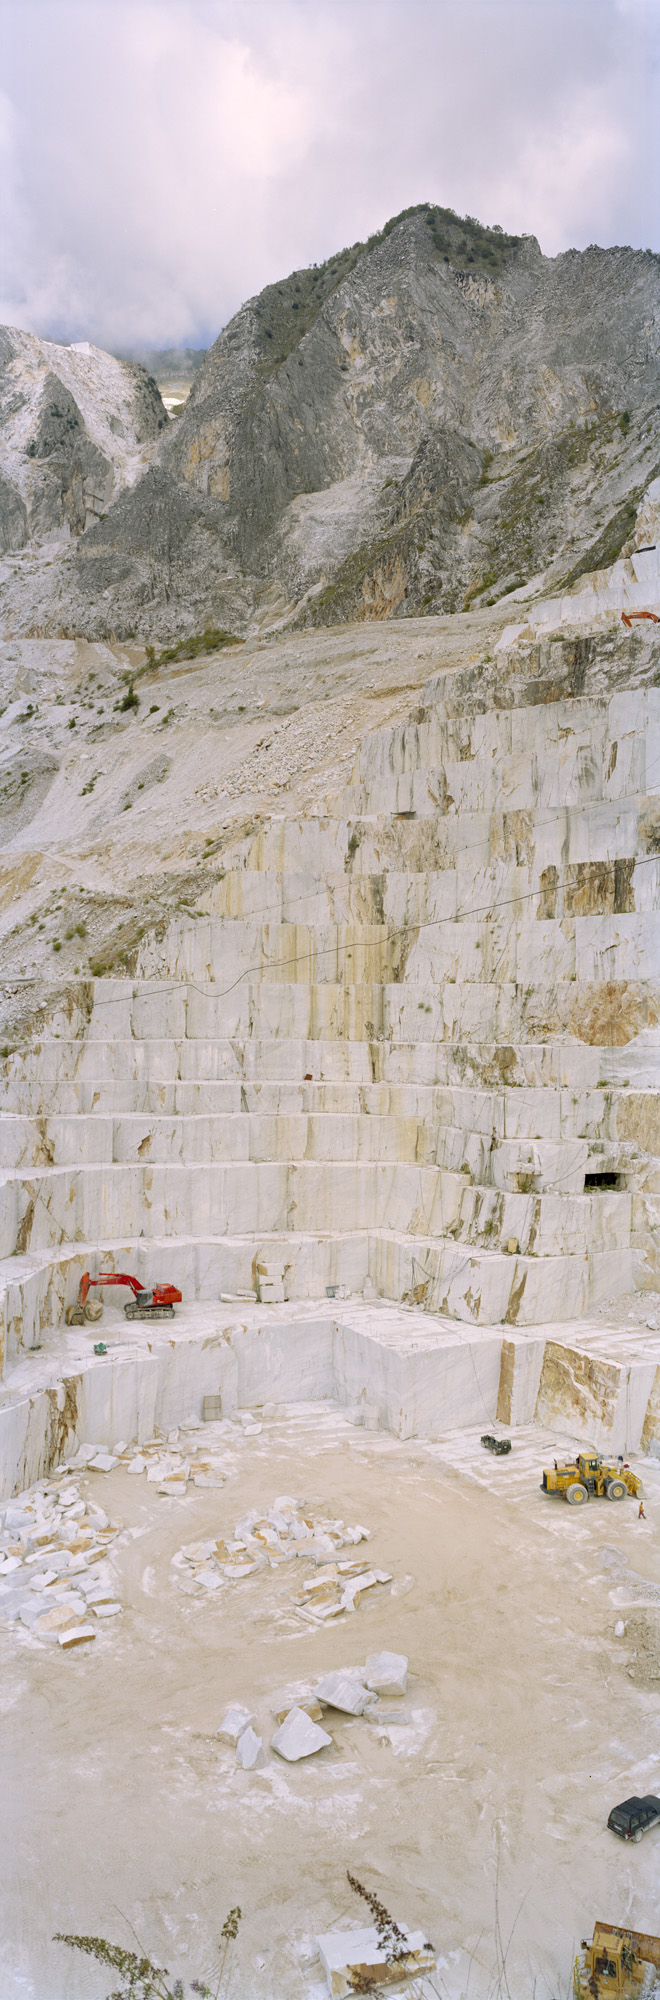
x=587, y=1475
x=613, y=1965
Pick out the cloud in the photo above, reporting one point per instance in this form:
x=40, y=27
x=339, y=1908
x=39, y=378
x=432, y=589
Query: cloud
x=161, y=160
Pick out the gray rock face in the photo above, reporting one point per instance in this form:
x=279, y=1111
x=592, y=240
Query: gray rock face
x=428, y=421
x=76, y=427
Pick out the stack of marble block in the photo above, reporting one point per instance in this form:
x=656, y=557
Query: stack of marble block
x=412, y=1046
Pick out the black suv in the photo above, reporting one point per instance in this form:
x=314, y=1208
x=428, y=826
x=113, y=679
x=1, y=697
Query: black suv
x=634, y=1817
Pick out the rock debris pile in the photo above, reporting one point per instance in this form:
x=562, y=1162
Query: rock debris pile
x=287, y=1532
x=55, y=1577
x=350, y=1692
x=174, y=1462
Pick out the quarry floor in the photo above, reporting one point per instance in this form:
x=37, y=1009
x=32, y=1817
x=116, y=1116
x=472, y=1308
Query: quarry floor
x=479, y=1815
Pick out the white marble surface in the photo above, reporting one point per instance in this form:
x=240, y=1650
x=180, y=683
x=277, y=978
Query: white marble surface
x=386, y=1052
x=423, y=1375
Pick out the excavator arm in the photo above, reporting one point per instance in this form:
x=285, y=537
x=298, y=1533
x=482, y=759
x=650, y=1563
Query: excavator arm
x=117, y=1278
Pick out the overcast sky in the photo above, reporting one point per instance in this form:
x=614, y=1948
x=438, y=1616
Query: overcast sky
x=161, y=160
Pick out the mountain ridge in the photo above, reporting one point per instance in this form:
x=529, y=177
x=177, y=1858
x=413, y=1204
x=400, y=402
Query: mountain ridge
x=430, y=420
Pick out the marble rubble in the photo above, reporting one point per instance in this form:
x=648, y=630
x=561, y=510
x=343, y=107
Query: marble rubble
x=299, y=1737
x=250, y=1753
x=345, y=1691
x=386, y=1673
x=357, y=1960
x=409, y=1058
x=54, y=1563
x=287, y=1534
x=235, y=1722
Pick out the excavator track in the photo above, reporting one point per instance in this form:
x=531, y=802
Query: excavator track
x=149, y=1312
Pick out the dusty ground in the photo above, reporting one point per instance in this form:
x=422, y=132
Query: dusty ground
x=488, y=1800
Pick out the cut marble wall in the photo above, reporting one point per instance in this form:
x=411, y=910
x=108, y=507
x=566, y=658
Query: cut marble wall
x=422, y=1378
x=392, y=1050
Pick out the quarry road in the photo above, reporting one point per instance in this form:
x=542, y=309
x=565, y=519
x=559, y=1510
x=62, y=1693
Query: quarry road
x=478, y=1798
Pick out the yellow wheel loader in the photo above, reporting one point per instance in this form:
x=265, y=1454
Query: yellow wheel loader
x=589, y=1475
x=613, y=1966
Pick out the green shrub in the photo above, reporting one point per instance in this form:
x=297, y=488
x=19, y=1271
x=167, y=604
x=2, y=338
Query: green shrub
x=129, y=700
x=213, y=640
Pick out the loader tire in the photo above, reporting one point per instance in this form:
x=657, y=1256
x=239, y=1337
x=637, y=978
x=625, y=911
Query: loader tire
x=616, y=1489
x=576, y=1494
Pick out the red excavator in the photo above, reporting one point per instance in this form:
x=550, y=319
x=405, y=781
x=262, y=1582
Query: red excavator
x=158, y=1303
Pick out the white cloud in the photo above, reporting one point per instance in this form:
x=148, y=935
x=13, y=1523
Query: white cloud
x=163, y=159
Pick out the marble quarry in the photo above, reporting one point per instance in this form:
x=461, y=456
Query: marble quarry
x=398, y=1087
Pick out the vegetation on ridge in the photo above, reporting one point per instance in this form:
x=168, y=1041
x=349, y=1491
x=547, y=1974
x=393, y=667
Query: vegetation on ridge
x=213, y=640
x=285, y=311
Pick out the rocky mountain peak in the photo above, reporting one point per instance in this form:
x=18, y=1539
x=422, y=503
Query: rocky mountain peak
x=76, y=427
x=431, y=419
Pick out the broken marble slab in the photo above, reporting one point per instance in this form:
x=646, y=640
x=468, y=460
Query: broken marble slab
x=49, y=1624
x=321, y=1613
x=250, y=1751
x=209, y=1579
x=344, y=1690
x=73, y=1600
x=196, y=1552
x=386, y=1673
x=353, y=1590
x=96, y=1592
x=104, y=1461
x=357, y=1960
x=283, y=1705
x=299, y=1737
x=234, y=1722
x=76, y=1635
x=43, y=1579
x=317, y=1586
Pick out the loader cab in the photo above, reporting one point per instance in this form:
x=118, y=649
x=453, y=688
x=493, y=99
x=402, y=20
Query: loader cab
x=612, y=1967
x=589, y=1465
x=606, y=1968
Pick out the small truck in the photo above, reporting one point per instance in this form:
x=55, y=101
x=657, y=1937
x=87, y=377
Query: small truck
x=589, y=1475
